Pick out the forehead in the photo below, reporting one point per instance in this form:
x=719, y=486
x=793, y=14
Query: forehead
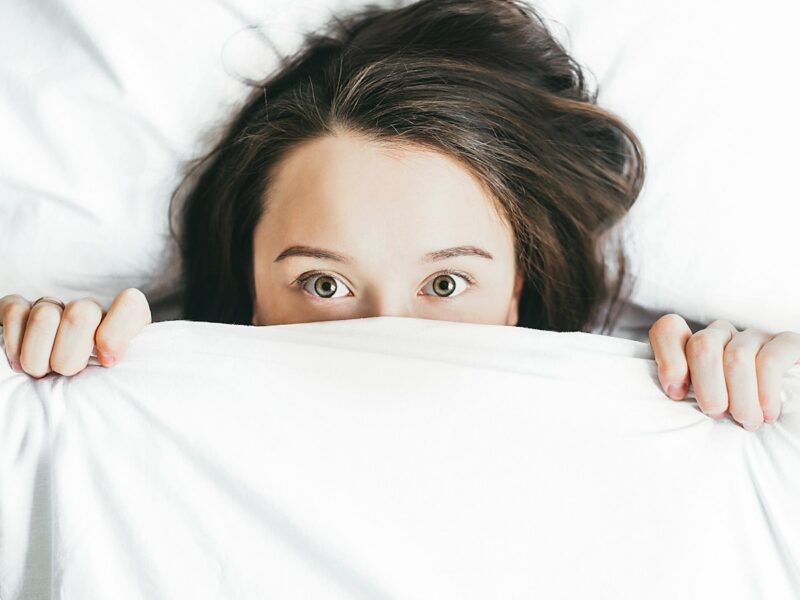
x=354, y=193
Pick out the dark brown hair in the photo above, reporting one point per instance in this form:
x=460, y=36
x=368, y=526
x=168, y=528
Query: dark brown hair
x=483, y=81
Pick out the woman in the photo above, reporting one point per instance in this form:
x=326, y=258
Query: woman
x=442, y=160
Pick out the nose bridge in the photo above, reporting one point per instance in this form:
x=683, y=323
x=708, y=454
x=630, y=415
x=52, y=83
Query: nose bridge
x=389, y=302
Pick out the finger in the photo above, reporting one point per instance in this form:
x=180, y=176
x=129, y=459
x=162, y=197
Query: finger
x=739, y=366
x=38, y=338
x=14, y=311
x=128, y=314
x=75, y=336
x=776, y=357
x=668, y=337
x=704, y=354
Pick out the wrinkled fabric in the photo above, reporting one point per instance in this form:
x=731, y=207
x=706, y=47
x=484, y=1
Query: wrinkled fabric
x=388, y=458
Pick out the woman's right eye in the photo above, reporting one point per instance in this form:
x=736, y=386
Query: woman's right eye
x=322, y=285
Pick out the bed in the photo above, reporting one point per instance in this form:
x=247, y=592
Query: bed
x=390, y=457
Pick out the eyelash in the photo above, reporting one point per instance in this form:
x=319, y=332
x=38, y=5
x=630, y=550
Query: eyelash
x=302, y=279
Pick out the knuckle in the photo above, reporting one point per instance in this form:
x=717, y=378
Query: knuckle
x=701, y=344
x=79, y=313
x=132, y=296
x=736, y=358
x=765, y=362
x=14, y=311
x=790, y=336
x=723, y=324
x=659, y=336
x=14, y=299
x=44, y=315
x=666, y=323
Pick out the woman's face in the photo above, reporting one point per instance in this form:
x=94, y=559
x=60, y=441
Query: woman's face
x=376, y=229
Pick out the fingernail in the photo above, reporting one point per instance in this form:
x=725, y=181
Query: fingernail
x=770, y=418
x=105, y=357
x=752, y=425
x=16, y=366
x=675, y=390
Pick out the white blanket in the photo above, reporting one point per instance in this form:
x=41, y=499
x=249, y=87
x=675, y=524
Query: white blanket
x=388, y=458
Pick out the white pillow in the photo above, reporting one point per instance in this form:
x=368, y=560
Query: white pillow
x=101, y=104
x=710, y=88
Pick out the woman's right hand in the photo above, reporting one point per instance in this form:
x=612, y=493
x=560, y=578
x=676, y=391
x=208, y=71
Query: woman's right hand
x=46, y=338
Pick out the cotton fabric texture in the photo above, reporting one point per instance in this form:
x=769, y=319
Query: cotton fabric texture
x=388, y=458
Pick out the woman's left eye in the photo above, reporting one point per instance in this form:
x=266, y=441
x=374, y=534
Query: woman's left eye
x=444, y=284
x=325, y=285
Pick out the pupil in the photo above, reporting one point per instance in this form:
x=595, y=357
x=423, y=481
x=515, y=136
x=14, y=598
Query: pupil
x=325, y=285
x=445, y=283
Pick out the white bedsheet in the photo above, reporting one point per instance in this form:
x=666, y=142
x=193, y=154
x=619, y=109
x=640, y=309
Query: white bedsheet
x=388, y=458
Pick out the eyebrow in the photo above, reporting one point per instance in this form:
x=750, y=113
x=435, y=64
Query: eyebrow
x=434, y=256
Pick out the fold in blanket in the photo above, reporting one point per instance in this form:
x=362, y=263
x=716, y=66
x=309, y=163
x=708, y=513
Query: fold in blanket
x=388, y=458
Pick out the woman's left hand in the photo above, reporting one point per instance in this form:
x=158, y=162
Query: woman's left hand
x=740, y=371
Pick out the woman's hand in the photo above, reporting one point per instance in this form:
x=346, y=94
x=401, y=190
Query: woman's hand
x=45, y=338
x=729, y=369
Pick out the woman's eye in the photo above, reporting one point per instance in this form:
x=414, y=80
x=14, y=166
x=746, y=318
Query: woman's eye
x=445, y=284
x=323, y=285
